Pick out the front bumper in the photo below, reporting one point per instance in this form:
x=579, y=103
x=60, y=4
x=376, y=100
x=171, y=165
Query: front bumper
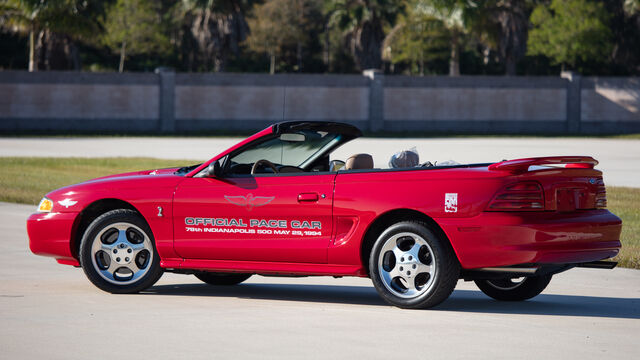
x=510, y=238
x=50, y=234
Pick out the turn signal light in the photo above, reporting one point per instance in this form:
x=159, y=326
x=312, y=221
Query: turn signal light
x=45, y=205
x=522, y=196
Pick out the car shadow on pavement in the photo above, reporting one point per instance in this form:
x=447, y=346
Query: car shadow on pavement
x=460, y=300
x=357, y=295
x=545, y=304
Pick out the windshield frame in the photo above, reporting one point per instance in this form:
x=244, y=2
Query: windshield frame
x=347, y=132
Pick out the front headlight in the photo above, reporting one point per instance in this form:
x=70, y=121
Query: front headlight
x=45, y=205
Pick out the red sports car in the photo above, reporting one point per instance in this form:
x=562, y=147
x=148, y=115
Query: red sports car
x=277, y=203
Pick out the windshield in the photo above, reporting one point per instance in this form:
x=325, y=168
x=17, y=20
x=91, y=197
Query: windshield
x=288, y=153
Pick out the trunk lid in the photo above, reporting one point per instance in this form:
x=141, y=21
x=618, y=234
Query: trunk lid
x=570, y=183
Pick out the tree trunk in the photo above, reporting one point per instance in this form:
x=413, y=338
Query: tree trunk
x=122, y=56
x=272, y=63
x=454, y=62
x=327, y=47
x=32, y=49
x=299, y=55
x=367, y=45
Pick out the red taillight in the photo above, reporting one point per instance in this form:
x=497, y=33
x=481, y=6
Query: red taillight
x=522, y=196
x=601, y=195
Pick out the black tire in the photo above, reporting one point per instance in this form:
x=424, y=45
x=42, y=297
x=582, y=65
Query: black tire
x=144, y=256
x=222, y=278
x=509, y=290
x=422, y=289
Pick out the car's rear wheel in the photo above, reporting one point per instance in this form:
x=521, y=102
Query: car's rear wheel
x=515, y=289
x=222, y=278
x=411, y=267
x=118, y=253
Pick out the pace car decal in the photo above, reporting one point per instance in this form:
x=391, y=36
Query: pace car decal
x=451, y=202
x=249, y=201
x=253, y=226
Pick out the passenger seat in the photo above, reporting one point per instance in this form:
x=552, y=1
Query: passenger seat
x=359, y=161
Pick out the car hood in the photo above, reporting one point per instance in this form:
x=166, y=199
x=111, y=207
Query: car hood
x=139, y=173
x=123, y=186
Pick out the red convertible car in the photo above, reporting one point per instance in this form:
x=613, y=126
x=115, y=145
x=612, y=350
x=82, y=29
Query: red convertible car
x=278, y=203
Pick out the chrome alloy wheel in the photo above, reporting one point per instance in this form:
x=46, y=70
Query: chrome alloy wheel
x=406, y=265
x=121, y=253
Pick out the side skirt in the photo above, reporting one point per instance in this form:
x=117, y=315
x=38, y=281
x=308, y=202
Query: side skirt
x=263, y=268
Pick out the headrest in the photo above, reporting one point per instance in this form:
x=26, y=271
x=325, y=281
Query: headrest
x=359, y=161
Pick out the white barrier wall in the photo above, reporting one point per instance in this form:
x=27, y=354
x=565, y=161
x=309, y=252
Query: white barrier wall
x=170, y=102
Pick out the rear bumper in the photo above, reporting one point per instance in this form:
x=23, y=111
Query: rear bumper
x=503, y=239
x=50, y=235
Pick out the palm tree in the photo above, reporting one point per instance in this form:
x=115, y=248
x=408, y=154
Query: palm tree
x=363, y=23
x=215, y=28
x=44, y=19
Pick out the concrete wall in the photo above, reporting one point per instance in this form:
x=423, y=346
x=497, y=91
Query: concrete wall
x=175, y=102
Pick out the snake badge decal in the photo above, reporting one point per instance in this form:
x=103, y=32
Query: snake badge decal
x=451, y=202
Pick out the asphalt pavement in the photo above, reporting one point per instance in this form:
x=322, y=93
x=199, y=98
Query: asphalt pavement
x=51, y=311
x=619, y=158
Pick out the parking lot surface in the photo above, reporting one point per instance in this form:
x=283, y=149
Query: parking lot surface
x=51, y=311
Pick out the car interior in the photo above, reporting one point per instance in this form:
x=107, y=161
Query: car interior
x=306, y=148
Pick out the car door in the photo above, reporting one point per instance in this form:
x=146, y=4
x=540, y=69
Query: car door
x=277, y=218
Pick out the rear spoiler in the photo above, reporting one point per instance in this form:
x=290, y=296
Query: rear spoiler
x=521, y=165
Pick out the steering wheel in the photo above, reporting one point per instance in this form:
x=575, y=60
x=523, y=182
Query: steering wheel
x=263, y=162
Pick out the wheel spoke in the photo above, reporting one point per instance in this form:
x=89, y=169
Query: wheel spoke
x=422, y=268
x=415, y=249
x=137, y=248
x=122, y=237
x=107, y=248
x=109, y=273
x=389, y=246
x=394, y=273
x=410, y=283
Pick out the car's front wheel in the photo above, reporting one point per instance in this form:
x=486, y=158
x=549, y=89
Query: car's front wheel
x=118, y=253
x=516, y=289
x=411, y=267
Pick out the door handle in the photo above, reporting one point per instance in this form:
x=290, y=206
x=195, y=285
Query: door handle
x=307, y=197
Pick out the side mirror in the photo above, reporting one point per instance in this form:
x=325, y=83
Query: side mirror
x=214, y=169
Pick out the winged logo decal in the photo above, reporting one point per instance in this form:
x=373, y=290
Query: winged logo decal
x=249, y=201
x=67, y=202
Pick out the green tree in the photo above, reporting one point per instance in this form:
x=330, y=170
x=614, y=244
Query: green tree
x=427, y=28
x=279, y=25
x=134, y=27
x=422, y=35
x=363, y=23
x=569, y=31
x=47, y=21
x=500, y=24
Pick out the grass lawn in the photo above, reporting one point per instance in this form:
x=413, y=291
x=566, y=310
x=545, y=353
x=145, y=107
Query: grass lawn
x=26, y=180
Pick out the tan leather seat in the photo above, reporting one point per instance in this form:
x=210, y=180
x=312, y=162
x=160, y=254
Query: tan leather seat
x=359, y=161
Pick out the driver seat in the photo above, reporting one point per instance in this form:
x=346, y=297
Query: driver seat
x=359, y=161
